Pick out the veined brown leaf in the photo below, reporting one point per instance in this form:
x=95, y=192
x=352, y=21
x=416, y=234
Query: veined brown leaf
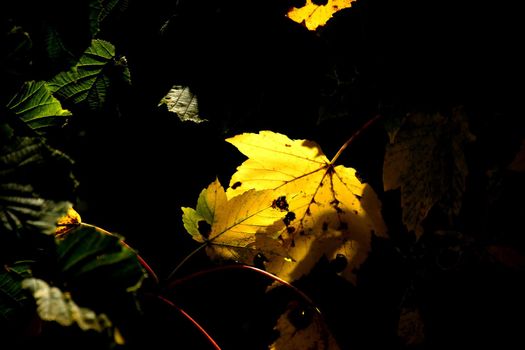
x=425, y=160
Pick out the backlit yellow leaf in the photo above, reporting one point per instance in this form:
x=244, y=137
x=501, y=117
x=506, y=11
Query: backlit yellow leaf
x=231, y=227
x=314, y=15
x=68, y=222
x=329, y=212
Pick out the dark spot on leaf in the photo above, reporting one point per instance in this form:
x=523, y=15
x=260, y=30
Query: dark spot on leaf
x=259, y=260
x=204, y=228
x=301, y=233
x=290, y=216
x=339, y=263
x=237, y=184
x=300, y=317
x=290, y=229
x=356, y=212
x=343, y=226
x=280, y=203
x=287, y=145
x=325, y=226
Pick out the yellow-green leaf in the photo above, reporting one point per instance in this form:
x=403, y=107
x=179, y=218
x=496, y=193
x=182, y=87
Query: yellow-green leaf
x=35, y=105
x=329, y=212
x=233, y=225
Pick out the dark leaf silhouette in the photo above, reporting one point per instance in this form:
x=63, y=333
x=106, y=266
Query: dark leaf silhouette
x=425, y=160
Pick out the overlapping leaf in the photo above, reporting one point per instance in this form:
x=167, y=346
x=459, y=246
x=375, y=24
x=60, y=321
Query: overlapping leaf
x=314, y=15
x=330, y=212
x=55, y=305
x=12, y=295
x=232, y=227
x=35, y=105
x=319, y=209
x=425, y=160
x=89, y=256
x=87, y=80
x=28, y=167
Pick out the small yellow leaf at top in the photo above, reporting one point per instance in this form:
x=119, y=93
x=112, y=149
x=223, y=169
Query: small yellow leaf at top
x=314, y=15
x=66, y=223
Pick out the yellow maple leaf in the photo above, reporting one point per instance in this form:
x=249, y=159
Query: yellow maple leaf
x=329, y=212
x=314, y=15
x=230, y=228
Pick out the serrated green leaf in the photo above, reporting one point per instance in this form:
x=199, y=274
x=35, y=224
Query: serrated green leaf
x=35, y=105
x=56, y=49
x=21, y=210
x=28, y=169
x=100, y=9
x=16, y=51
x=12, y=296
x=86, y=81
x=89, y=254
x=54, y=305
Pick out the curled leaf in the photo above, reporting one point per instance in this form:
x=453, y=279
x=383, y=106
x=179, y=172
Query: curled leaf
x=67, y=223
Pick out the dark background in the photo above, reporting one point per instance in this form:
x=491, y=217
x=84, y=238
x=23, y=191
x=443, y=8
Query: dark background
x=254, y=69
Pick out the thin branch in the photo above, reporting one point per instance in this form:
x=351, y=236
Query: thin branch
x=186, y=259
x=188, y=317
x=354, y=136
x=250, y=268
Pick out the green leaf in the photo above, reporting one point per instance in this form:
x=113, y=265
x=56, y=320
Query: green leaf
x=29, y=172
x=86, y=81
x=16, y=51
x=91, y=256
x=100, y=9
x=12, y=296
x=21, y=210
x=54, y=305
x=35, y=105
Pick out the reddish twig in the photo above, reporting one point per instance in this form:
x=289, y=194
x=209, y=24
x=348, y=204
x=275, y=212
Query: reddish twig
x=249, y=268
x=189, y=318
x=354, y=136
